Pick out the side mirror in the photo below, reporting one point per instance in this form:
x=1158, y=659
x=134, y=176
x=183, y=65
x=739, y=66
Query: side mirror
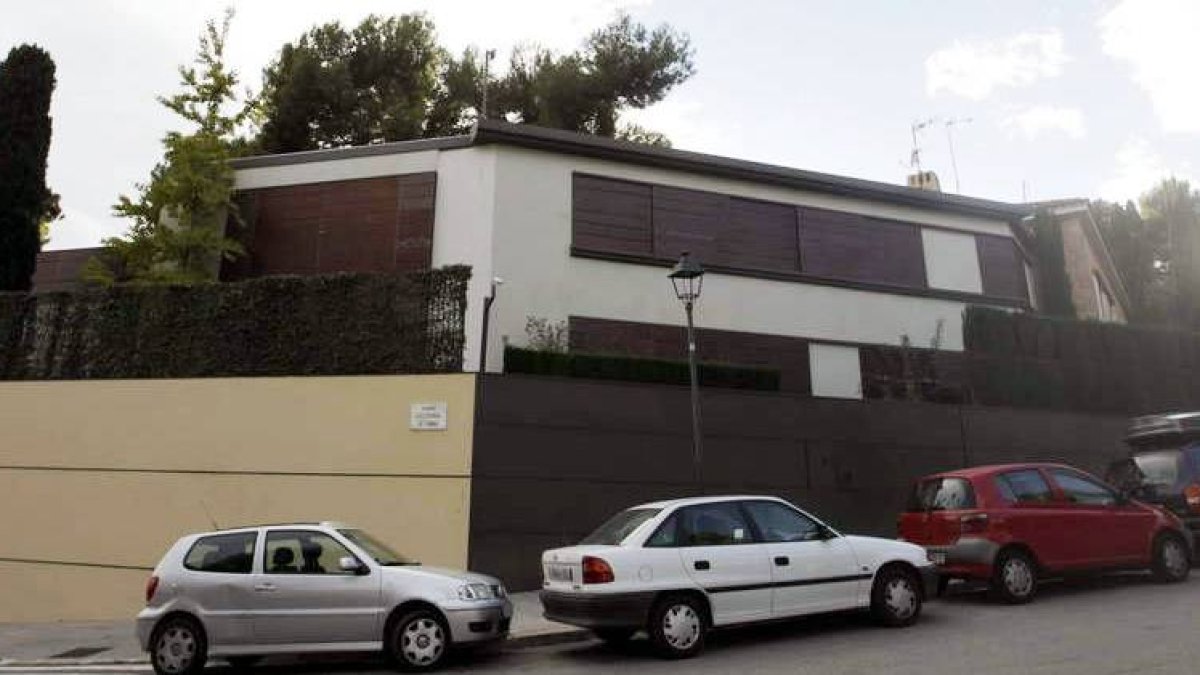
x=349, y=564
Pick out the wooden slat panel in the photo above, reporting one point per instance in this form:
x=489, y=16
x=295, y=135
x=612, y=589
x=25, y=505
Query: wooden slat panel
x=1002, y=268
x=689, y=220
x=760, y=236
x=610, y=216
x=857, y=248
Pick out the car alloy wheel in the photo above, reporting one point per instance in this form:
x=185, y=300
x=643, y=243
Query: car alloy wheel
x=677, y=626
x=1015, y=578
x=901, y=598
x=681, y=626
x=1171, y=561
x=179, y=647
x=420, y=641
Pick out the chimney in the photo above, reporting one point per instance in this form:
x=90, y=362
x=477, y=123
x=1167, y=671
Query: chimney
x=925, y=180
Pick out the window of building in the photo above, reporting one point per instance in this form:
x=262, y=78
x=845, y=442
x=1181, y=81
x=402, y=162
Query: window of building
x=1105, y=306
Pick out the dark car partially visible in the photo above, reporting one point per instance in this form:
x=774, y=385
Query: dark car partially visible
x=1163, y=466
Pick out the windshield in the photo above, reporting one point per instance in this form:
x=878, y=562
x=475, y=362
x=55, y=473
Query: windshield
x=1159, y=468
x=376, y=549
x=942, y=494
x=614, y=531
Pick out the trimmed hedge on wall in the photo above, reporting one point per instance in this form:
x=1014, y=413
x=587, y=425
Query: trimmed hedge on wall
x=606, y=367
x=342, y=324
x=1036, y=361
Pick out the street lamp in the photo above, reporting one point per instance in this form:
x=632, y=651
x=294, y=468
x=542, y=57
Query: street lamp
x=688, y=278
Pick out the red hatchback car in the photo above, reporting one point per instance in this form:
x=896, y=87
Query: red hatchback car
x=1011, y=524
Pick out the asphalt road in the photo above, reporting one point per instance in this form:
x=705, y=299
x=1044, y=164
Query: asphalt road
x=1123, y=624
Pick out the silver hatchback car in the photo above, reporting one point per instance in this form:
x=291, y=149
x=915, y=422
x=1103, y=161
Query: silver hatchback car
x=245, y=593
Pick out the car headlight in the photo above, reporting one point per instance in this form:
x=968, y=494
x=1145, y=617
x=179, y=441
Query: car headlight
x=476, y=592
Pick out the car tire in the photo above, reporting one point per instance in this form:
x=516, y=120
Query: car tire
x=418, y=641
x=1170, y=562
x=178, y=646
x=614, y=636
x=241, y=663
x=896, y=597
x=677, y=626
x=1014, y=577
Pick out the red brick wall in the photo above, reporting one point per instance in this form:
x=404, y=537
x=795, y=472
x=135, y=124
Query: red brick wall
x=367, y=225
x=61, y=270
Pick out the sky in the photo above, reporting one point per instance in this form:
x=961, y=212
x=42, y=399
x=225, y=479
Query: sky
x=1039, y=99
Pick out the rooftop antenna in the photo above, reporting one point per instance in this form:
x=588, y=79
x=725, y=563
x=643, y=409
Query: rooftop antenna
x=915, y=159
x=950, y=141
x=487, y=63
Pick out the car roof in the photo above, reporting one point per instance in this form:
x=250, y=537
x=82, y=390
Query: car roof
x=692, y=501
x=245, y=528
x=993, y=469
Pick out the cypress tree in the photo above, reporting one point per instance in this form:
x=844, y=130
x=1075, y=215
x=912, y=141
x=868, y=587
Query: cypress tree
x=26, y=84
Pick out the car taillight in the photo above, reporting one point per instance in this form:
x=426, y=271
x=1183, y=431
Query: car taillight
x=974, y=523
x=151, y=586
x=596, y=571
x=1192, y=494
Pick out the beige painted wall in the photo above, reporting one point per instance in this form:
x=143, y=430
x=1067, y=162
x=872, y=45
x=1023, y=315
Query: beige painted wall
x=111, y=473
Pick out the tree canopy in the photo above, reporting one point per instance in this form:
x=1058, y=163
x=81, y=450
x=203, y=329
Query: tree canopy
x=388, y=80
x=179, y=216
x=26, y=86
x=1156, y=247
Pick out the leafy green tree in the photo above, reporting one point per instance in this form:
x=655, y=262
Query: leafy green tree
x=26, y=86
x=335, y=87
x=388, y=80
x=179, y=217
x=1137, y=247
x=1173, y=208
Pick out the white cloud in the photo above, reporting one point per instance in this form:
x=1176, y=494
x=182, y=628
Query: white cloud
x=1036, y=120
x=1138, y=168
x=1160, y=40
x=975, y=69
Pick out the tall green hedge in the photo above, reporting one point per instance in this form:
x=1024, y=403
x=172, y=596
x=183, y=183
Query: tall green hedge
x=609, y=367
x=343, y=324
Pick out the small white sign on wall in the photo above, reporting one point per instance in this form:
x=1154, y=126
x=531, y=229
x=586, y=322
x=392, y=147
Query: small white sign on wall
x=428, y=416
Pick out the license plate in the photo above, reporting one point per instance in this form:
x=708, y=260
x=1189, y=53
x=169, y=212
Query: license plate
x=936, y=557
x=560, y=573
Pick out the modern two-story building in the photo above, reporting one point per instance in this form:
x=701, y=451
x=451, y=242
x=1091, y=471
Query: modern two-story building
x=802, y=267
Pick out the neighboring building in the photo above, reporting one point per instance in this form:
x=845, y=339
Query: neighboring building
x=1096, y=288
x=802, y=267
x=61, y=270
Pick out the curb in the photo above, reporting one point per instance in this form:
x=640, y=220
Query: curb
x=512, y=643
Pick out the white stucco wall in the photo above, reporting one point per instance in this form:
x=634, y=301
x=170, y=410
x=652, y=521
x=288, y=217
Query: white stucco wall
x=335, y=170
x=952, y=261
x=835, y=371
x=532, y=253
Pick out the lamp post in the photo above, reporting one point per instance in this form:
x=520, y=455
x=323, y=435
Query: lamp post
x=688, y=277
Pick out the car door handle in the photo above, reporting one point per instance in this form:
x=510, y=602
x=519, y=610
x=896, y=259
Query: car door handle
x=701, y=565
x=264, y=588
x=782, y=561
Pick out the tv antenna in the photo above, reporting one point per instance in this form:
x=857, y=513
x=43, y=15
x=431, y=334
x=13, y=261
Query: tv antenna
x=915, y=158
x=488, y=55
x=950, y=123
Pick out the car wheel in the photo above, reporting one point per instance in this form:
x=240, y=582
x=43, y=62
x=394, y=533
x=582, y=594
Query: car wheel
x=1171, y=562
x=677, y=626
x=614, y=636
x=178, y=646
x=243, y=662
x=1014, y=579
x=896, y=597
x=419, y=641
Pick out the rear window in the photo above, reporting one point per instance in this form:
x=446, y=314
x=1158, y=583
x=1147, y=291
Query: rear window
x=228, y=553
x=1161, y=468
x=942, y=494
x=615, y=529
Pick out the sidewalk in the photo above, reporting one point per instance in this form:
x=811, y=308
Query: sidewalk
x=82, y=643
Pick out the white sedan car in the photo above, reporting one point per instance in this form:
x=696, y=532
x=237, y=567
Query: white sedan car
x=677, y=568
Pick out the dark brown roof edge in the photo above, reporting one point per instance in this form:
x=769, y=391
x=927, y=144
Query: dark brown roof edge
x=490, y=131
x=395, y=148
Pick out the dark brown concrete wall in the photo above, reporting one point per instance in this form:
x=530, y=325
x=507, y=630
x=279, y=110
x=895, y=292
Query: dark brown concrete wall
x=554, y=457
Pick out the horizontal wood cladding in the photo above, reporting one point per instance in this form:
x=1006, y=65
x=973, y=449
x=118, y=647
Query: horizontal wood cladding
x=366, y=225
x=788, y=355
x=644, y=222
x=1001, y=267
x=849, y=246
